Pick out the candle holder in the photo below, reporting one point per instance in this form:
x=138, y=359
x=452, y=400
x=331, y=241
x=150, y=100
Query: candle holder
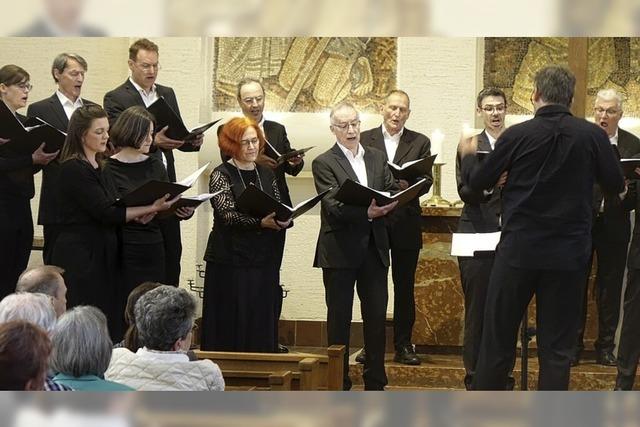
x=436, y=199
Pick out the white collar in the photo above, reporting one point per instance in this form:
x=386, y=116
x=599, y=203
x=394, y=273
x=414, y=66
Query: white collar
x=140, y=89
x=359, y=153
x=387, y=135
x=64, y=100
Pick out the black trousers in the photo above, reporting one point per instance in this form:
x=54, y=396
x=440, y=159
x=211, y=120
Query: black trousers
x=50, y=233
x=474, y=275
x=278, y=289
x=170, y=228
x=629, y=346
x=403, y=272
x=16, y=239
x=611, y=261
x=370, y=279
x=509, y=293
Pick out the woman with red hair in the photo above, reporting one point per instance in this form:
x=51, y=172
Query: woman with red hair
x=238, y=309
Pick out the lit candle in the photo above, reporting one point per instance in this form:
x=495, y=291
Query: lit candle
x=437, y=137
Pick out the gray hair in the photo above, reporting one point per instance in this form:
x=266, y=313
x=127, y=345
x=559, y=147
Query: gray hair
x=610, y=95
x=81, y=343
x=43, y=280
x=60, y=63
x=164, y=315
x=342, y=105
x=33, y=308
x=555, y=84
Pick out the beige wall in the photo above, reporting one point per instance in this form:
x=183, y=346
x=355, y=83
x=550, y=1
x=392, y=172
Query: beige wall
x=440, y=75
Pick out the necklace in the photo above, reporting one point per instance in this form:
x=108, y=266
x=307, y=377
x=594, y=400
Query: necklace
x=255, y=168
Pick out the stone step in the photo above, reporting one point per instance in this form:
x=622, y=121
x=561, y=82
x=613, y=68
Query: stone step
x=446, y=372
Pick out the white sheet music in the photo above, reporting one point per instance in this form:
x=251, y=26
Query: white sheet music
x=188, y=181
x=465, y=244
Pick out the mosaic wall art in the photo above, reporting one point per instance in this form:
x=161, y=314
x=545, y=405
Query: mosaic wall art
x=306, y=74
x=613, y=62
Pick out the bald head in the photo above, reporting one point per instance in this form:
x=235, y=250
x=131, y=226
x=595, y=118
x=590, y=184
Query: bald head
x=48, y=280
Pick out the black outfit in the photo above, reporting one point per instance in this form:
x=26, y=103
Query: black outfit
x=629, y=345
x=276, y=134
x=16, y=225
x=87, y=246
x=142, y=244
x=115, y=102
x=611, y=232
x=552, y=161
x=405, y=234
x=51, y=111
x=353, y=250
x=241, y=273
x=480, y=214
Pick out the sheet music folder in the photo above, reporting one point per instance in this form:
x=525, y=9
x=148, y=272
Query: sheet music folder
x=353, y=193
x=281, y=158
x=413, y=169
x=25, y=139
x=258, y=203
x=629, y=168
x=166, y=116
x=152, y=190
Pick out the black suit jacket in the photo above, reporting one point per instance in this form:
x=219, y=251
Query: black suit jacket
x=481, y=212
x=615, y=215
x=345, y=229
x=125, y=96
x=51, y=111
x=552, y=161
x=404, y=222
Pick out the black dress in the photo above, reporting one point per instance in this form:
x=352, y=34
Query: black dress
x=143, y=257
x=16, y=224
x=241, y=273
x=87, y=247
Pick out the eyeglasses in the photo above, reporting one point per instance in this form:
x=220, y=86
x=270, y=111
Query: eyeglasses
x=252, y=141
x=146, y=67
x=609, y=111
x=491, y=108
x=345, y=126
x=25, y=86
x=256, y=99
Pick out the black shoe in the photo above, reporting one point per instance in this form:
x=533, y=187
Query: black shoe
x=361, y=357
x=282, y=349
x=406, y=355
x=624, y=382
x=511, y=383
x=606, y=358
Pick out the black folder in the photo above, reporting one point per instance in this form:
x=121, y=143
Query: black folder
x=25, y=139
x=149, y=192
x=412, y=170
x=281, y=158
x=259, y=204
x=629, y=166
x=187, y=202
x=165, y=116
x=354, y=193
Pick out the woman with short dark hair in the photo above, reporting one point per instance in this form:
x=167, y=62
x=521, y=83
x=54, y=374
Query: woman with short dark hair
x=143, y=248
x=24, y=355
x=16, y=182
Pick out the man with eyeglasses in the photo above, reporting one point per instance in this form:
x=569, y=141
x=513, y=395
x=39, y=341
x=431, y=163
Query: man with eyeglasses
x=611, y=232
x=353, y=244
x=68, y=71
x=251, y=99
x=401, y=145
x=141, y=89
x=480, y=214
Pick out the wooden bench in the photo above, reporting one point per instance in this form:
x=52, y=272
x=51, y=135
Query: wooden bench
x=308, y=371
x=256, y=380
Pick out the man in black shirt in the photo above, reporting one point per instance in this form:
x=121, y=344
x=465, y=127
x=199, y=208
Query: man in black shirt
x=552, y=162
